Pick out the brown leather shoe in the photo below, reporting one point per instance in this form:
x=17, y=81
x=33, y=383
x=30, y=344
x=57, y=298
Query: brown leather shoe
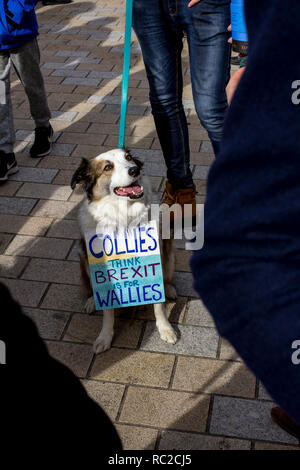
x=285, y=422
x=183, y=197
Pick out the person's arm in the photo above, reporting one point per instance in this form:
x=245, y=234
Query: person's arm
x=15, y=9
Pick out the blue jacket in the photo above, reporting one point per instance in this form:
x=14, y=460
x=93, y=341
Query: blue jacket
x=18, y=23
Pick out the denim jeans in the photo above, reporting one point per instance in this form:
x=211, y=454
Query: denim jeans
x=160, y=26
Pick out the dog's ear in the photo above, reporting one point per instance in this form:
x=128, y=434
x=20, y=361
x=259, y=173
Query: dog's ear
x=84, y=176
x=81, y=174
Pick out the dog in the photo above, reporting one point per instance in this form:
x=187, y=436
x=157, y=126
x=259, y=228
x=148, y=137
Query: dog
x=118, y=194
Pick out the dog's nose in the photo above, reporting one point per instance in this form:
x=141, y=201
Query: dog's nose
x=134, y=171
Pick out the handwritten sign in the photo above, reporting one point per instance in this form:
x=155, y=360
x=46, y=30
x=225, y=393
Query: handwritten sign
x=125, y=267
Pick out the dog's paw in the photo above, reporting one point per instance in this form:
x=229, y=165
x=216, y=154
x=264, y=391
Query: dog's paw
x=102, y=343
x=89, y=305
x=170, y=292
x=168, y=334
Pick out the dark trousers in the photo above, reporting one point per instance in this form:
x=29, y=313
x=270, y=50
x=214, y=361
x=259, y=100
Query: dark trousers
x=159, y=26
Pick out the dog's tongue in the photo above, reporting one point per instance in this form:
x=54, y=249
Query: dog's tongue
x=133, y=189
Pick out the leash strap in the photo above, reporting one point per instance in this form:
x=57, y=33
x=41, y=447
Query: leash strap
x=126, y=67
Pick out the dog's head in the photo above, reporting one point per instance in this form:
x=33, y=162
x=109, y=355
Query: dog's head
x=114, y=173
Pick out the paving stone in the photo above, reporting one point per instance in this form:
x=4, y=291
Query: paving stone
x=165, y=409
x=263, y=394
x=184, y=284
x=227, y=352
x=249, y=419
x=34, y=175
x=77, y=357
x=49, y=323
x=69, y=73
x=182, y=260
x=56, y=209
x=48, y=270
x=78, y=53
x=24, y=225
x=64, y=297
x=176, y=440
x=202, y=159
x=137, y=437
x=93, y=139
x=197, y=314
x=64, y=229
x=135, y=367
x=175, y=311
x=63, y=115
x=9, y=188
x=155, y=168
x=200, y=186
x=45, y=191
x=11, y=266
x=83, y=60
x=17, y=206
x=206, y=147
x=38, y=247
x=270, y=446
x=62, y=150
x=74, y=253
x=5, y=240
x=86, y=328
x=107, y=395
x=214, y=376
x=81, y=81
x=27, y=293
x=106, y=99
x=193, y=341
x=201, y=172
x=101, y=75
x=63, y=177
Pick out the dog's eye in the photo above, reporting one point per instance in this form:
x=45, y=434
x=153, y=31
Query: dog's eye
x=128, y=157
x=108, y=167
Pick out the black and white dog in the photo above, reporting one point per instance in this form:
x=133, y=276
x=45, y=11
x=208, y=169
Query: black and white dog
x=118, y=194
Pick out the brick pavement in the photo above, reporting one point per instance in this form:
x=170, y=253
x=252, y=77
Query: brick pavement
x=195, y=395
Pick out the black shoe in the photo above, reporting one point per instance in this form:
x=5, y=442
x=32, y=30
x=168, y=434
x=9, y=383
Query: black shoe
x=8, y=165
x=55, y=2
x=42, y=142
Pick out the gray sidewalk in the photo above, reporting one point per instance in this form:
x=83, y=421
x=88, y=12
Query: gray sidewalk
x=195, y=395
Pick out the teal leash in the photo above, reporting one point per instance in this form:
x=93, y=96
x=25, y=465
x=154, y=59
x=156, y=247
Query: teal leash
x=126, y=67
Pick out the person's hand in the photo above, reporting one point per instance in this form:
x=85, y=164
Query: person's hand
x=233, y=83
x=230, y=30
x=193, y=2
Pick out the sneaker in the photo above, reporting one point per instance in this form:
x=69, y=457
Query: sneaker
x=42, y=142
x=183, y=197
x=8, y=165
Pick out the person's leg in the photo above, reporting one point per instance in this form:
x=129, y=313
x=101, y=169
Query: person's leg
x=206, y=26
x=26, y=61
x=161, y=44
x=7, y=134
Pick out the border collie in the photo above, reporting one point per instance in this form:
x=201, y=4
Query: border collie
x=118, y=195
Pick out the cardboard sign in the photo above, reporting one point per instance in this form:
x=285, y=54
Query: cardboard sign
x=125, y=267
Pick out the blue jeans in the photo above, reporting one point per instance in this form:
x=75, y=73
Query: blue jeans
x=159, y=26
